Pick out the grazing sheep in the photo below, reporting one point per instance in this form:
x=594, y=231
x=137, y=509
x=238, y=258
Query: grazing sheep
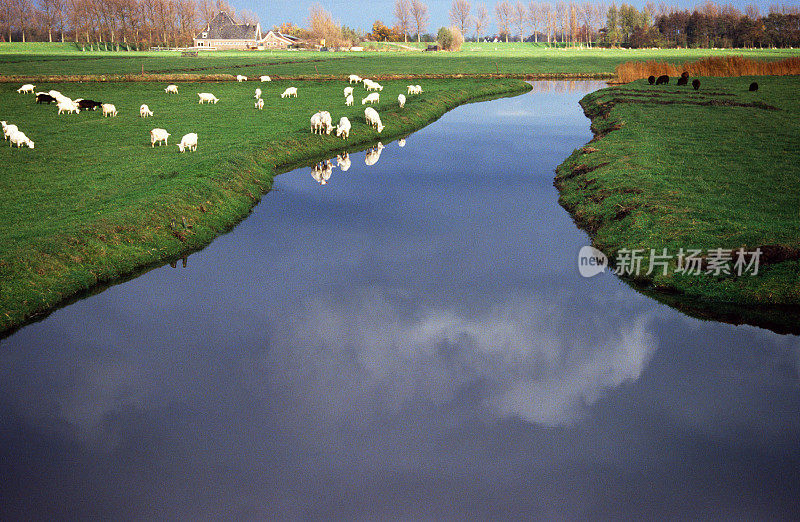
x=26, y=89
x=373, y=86
x=753, y=86
x=411, y=89
x=651, y=79
x=685, y=74
x=371, y=98
x=55, y=94
x=109, y=110
x=69, y=106
x=144, y=111
x=343, y=129
x=327, y=121
x=662, y=80
x=696, y=84
x=241, y=78
x=373, y=119
x=171, y=89
x=265, y=78
x=348, y=91
x=189, y=141
x=418, y=89
x=373, y=155
x=88, y=105
x=322, y=171
x=354, y=78
x=19, y=139
x=157, y=136
x=316, y=123
x=207, y=97
x=8, y=130
x=289, y=92
x=683, y=80
x=258, y=94
x=349, y=101
x=401, y=100
x=343, y=161
x=260, y=104
x=43, y=97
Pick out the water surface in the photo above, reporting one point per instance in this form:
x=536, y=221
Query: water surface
x=410, y=338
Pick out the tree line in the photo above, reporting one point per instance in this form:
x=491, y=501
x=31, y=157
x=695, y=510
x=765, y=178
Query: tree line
x=175, y=22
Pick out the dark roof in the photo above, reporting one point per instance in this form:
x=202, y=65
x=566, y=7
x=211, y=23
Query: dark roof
x=223, y=27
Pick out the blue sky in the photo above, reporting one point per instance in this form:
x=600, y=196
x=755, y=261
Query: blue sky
x=361, y=14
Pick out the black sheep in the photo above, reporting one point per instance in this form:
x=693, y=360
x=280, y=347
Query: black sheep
x=88, y=105
x=662, y=80
x=43, y=97
x=685, y=74
x=651, y=80
x=753, y=86
x=696, y=85
x=683, y=80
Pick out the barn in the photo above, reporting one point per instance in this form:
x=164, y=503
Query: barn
x=224, y=33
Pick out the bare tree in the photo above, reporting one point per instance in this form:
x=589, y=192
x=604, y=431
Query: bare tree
x=519, y=16
x=419, y=12
x=50, y=14
x=503, y=14
x=247, y=16
x=481, y=20
x=751, y=10
x=533, y=19
x=322, y=26
x=560, y=19
x=402, y=11
x=459, y=15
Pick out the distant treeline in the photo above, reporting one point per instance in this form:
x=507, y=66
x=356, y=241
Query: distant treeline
x=141, y=23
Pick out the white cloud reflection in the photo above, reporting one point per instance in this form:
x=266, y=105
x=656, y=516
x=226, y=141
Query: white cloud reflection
x=534, y=359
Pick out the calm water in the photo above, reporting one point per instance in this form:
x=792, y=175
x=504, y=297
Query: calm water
x=411, y=338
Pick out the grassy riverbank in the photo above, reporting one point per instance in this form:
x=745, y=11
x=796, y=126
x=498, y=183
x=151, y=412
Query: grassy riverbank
x=672, y=168
x=38, y=60
x=94, y=202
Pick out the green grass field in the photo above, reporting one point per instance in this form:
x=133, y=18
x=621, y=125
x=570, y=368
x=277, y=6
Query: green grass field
x=93, y=201
x=473, y=59
x=679, y=169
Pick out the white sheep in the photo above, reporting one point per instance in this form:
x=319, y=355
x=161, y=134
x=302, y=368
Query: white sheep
x=207, y=97
x=144, y=111
x=343, y=129
x=8, y=129
x=260, y=104
x=372, y=86
x=349, y=101
x=373, y=155
x=171, y=89
x=19, y=139
x=344, y=161
x=371, y=98
x=290, y=92
x=401, y=100
x=27, y=89
x=241, y=78
x=157, y=136
x=109, y=110
x=327, y=121
x=418, y=89
x=67, y=105
x=265, y=79
x=354, y=78
x=316, y=123
x=373, y=119
x=55, y=94
x=189, y=141
x=411, y=89
x=348, y=91
x=258, y=94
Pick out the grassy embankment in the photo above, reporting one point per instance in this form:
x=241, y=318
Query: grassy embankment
x=514, y=59
x=94, y=202
x=671, y=168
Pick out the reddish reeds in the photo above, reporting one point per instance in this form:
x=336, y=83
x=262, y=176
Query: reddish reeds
x=712, y=66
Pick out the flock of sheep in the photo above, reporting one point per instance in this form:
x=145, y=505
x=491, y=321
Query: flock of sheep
x=684, y=80
x=321, y=122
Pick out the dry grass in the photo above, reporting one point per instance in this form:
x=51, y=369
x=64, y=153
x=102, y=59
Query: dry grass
x=712, y=66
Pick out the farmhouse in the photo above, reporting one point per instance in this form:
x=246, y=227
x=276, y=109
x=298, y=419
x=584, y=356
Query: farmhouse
x=276, y=40
x=222, y=32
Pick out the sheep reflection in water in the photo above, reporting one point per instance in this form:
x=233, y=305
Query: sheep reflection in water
x=373, y=154
x=343, y=161
x=401, y=142
x=322, y=171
